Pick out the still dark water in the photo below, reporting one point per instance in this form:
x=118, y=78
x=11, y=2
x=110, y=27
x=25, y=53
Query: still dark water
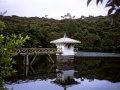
x=86, y=72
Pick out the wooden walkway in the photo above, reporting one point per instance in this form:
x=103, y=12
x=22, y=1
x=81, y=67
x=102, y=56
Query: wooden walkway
x=31, y=53
x=28, y=52
x=37, y=51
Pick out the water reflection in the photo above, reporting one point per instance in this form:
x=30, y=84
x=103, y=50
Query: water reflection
x=29, y=69
x=71, y=73
x=65, y=59
x=98, y=68
x=66, y=78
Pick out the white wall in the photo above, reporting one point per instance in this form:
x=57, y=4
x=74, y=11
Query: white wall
x=66, y=74
x=69, y=51
x=65, y=49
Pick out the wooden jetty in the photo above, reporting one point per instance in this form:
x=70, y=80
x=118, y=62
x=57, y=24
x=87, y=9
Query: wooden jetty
x=37, y=51
x=31, y=53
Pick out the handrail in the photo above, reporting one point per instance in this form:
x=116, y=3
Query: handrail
x=37, y=50
x=40, y=50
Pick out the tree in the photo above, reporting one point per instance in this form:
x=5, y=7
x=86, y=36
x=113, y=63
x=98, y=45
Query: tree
x=71, y=25
x=7, y=46
x=115, y=6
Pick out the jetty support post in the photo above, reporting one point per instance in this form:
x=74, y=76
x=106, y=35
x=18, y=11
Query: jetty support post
x=26, y=60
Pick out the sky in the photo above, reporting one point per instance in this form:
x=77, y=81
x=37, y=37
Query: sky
x=53, y=8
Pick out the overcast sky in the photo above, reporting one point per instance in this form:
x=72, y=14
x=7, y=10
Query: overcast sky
x=52, y=8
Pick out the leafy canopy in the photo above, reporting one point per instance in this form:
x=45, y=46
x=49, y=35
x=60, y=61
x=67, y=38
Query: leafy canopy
x=114, y=4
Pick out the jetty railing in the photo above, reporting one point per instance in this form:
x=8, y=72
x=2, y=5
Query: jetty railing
x=29, y=51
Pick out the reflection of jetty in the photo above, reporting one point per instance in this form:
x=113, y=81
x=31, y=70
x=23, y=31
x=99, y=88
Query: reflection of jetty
x=29, y=74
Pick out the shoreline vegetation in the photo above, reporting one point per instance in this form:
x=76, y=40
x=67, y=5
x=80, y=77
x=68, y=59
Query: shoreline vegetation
x=95, y=33
x=7, y=45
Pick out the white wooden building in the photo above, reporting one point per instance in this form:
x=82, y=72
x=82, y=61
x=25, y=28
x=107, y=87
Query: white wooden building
x=66, y=45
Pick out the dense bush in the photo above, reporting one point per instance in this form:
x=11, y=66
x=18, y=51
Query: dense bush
x=95, y=33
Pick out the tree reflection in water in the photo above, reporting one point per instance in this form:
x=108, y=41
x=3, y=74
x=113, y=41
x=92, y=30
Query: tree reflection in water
x=90, y=68
x=98, y=68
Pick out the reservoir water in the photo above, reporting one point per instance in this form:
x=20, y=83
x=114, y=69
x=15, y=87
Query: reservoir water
x=88, y=71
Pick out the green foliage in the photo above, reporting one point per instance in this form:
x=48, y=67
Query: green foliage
x=7, y=46
x=95, y=33
x=2, y=25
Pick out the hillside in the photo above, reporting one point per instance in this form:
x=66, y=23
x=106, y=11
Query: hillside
x=95, y=33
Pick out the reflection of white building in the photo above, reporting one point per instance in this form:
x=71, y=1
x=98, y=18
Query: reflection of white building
x=66, y=45
x=65, y=77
